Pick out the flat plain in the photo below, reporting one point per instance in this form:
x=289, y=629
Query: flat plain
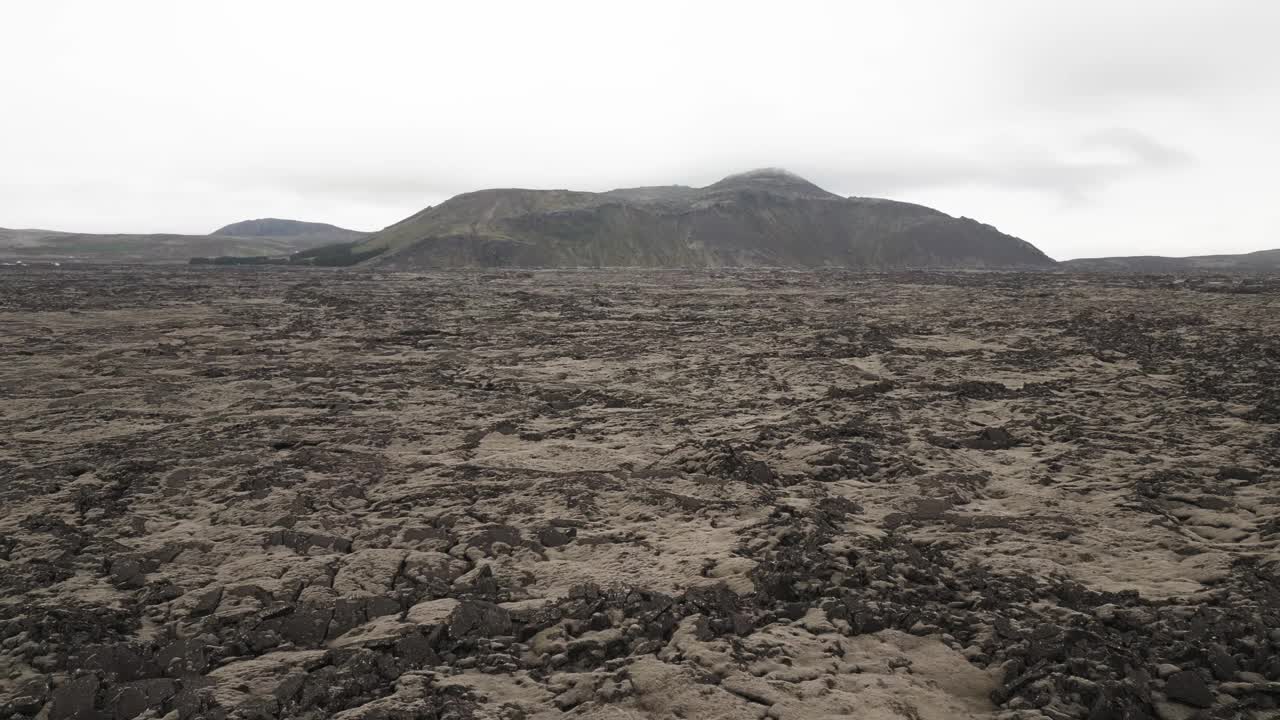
x=262, y=493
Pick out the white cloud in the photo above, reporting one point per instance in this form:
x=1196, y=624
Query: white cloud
x=1080, y=126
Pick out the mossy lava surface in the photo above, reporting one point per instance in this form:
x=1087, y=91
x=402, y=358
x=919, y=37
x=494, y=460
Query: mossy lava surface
x=295, y=493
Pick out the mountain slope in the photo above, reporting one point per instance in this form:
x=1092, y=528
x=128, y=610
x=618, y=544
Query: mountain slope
x=1260, y=261
x=253, y=239
x=760, y=218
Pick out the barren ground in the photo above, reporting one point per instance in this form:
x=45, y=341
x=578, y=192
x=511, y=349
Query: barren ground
x=636, y=494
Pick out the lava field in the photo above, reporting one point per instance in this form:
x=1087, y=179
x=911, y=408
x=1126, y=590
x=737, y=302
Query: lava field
x=624, y=495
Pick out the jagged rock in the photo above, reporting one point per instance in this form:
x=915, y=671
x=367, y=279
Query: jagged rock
x=183, y=657
x=1222, y=664
x=368, y=572
x=431, y=571
x=351, y=612
x=930, y=508
x=127, y=573
x=485, y=539
x=1188, y=687
x=478, y=618
x=382, y=631
x=1236, y=472
x=29, y=696
x=992, y=438
x=420, y=695
x=119, y=661
x=305, y=627
x=1173, y=711
x=75, y=699
x=255, y=684
x=303, y=541
x=429, y=539
x=416, y=650
x=130, y=700
x=582, y=690
x=207, y=602
x=432, y=612
x=956, y=488
x=555, y=537
x=478, y=581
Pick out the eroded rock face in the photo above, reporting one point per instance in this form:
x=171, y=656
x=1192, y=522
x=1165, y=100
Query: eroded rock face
x=635, y=495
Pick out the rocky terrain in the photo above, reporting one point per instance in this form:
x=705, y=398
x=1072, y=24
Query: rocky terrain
x=292, y=493
x=251, y=238
x=762, y=218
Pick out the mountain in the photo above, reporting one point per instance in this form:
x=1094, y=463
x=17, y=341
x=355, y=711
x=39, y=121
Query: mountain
x=250, y=238
x=764, y=217
x=1261, y=261
x=277, y=228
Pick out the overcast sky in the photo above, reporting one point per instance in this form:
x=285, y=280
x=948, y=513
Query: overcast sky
x=1086, y=127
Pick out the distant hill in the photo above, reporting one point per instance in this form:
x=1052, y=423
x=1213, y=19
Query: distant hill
x=760, y=218
x=277, y=228
x=273, y=238
x=1261, y=261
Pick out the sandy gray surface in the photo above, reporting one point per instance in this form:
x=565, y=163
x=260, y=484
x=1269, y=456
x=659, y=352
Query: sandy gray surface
x=244, y=494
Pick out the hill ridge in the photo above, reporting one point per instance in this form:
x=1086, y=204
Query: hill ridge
x=762, y=217
x=37, y=245
x=280, y=227
x=1256, y=261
